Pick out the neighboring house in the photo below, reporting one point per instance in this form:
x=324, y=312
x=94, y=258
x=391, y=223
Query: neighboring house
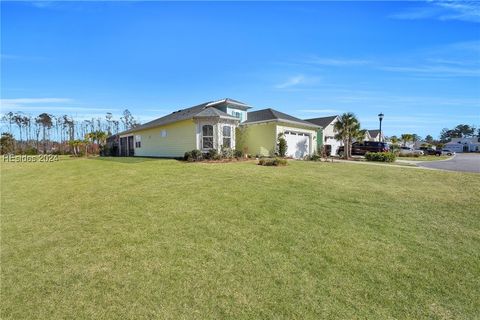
x=327, y=138
x=464, y=144
x=259, y=134
x=374, y=135
x=209, y=125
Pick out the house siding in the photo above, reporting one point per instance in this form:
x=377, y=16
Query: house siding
x=258, y=139
x=180, y=138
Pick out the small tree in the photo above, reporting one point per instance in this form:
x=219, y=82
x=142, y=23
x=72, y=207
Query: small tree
x=282, y=145
x=7, y=143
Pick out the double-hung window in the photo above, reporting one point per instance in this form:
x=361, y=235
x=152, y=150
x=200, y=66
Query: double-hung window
x=207, y=136
x=227, y=136
x=138, y=141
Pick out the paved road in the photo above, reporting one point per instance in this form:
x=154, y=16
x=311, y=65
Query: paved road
x=466, y=162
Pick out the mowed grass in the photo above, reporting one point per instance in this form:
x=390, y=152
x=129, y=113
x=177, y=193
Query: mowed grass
x=147, y=238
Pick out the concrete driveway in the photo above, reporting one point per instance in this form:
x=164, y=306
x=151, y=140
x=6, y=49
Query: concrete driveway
x=465, y=162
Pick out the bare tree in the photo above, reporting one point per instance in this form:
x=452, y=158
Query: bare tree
x=108, y=118
x=45, y=120
x=9, y=118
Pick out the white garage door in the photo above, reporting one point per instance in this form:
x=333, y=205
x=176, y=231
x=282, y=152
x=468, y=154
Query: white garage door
x=297, y=144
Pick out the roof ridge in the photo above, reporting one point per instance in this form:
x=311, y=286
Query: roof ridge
x=273, y=112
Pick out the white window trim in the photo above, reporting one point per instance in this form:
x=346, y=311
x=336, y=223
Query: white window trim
x=229, y=137
x=203, y=136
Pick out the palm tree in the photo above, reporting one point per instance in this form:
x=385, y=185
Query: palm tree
x=394, y=139
x=406, y=137
x=347, y=129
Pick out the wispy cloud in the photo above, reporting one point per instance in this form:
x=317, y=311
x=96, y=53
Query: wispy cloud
x=11, y=103
x=320, y=111
x=42, y=3
x=442, y=10
x=336, y=62
x=54, y=108
x=5, y=56
x=292, y=82
x=437, y=70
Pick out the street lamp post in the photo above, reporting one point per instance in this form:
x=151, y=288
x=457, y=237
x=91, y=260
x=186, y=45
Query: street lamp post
x=380, y=117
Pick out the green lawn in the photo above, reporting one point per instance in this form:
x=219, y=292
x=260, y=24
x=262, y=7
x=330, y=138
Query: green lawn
x=145, y=238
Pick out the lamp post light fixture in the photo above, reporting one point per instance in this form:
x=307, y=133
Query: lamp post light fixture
x=380, y=117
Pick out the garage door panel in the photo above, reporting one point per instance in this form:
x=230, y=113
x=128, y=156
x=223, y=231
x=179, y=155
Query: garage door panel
x=297, y=144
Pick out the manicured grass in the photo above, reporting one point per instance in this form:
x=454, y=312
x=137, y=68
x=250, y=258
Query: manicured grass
x=425, y=158
x=146, y=238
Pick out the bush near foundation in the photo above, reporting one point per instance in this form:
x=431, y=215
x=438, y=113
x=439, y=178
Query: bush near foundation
x=272, y=162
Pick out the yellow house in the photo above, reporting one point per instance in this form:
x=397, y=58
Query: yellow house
x=216, y=124
x=206, y=126
x=258, y=135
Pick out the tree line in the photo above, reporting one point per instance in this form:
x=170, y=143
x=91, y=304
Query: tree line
x=48, y=133
x=446, y=135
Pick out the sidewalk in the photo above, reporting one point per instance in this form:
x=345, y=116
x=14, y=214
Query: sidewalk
x=397, y=163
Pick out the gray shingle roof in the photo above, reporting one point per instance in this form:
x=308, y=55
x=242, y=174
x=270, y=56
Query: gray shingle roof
x=214, y=112
x=373, y=133
x=270, y=114
x=238, y=104
x=201, y=110
x=322, y=122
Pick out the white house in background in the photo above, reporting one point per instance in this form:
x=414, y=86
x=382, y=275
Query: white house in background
x=471, y=144
x=374, y=135
x=328, y=137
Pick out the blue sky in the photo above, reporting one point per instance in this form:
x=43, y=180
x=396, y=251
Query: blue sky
x=417, y=62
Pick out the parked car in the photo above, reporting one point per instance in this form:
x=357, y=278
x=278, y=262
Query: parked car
x=361, y=148
x=431, y=151
x=406, y=151
x=419, y=152
x=446, y=152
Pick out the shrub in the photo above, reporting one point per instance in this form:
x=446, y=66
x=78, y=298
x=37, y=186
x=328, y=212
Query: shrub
x=411, y=155
x=272, y=162
x=313, y=157
x=31, y=151
x=212, y=154
x=226, y=153
x=238, y=153
x=194, y=155
x=380, y=156
x=282, y=145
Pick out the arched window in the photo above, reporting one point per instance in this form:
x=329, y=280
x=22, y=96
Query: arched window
x=207, y=136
